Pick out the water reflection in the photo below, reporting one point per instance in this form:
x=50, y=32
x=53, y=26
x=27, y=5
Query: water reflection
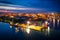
x=10, y=26
x=28, y=27
x=37, y=26
x=48, y=30
x=16, y=30
x=28, y=30
x=33, y=33
x=58, y=22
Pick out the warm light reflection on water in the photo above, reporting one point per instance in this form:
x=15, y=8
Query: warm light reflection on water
x=28, y=30
x=16, y=30
x=53, y=22
x=30, y=26
x=48, y=30
x=58, y=22
x=10, y=26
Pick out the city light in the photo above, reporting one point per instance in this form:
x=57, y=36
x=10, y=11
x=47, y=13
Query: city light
x=11, y=16
x=46, y=22
x=16, y=24
x=32, y=24
x=28, y=22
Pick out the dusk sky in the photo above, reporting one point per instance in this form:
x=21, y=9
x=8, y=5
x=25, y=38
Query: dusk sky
x=47, y=5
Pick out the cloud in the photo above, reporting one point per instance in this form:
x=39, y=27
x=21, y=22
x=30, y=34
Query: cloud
x=15, y=7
